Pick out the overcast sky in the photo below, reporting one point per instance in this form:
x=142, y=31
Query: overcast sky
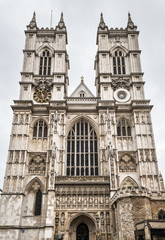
x=82, y=19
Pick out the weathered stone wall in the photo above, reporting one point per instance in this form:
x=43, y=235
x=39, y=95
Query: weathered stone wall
x=156, y=206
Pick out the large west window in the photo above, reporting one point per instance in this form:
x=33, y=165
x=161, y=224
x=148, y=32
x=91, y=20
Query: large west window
x=119, y=62
x=45, y=63
x=82, y=150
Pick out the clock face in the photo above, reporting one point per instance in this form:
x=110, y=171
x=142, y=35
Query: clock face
x=121, y=95
x=42, y=96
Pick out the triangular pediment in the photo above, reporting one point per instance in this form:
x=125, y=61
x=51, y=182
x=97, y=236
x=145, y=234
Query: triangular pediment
x=82, y=91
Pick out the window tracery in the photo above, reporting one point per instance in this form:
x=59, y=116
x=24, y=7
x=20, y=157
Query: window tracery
x=161, y=214
x=45, y=63
x=40, y=130
x=82, y=150
x=119, y=62
x=37, y=165
x=127, y=164
x=123, y=128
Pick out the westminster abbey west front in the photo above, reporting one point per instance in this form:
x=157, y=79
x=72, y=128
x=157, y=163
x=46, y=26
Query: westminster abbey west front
x=82, y=167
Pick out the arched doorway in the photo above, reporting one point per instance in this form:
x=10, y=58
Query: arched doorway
x=82, y=227
x=82, y=232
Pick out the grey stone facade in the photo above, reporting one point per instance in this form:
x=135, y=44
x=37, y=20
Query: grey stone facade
x=51, y=187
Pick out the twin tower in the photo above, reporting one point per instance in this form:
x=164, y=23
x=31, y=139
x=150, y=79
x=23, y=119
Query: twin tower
x=82, y=167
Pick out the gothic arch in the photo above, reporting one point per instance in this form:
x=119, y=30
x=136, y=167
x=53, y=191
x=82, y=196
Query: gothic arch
x=127, y=163
x=85, y=118
x=124, y=122
x=119, y=47
x=80, y=215
x=37, y=119
x=29, y=186
x=82, y=149
x=43, y=47
x=126, y=118
x=128, y=182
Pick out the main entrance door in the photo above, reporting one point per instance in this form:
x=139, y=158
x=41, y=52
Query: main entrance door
x=82, y=232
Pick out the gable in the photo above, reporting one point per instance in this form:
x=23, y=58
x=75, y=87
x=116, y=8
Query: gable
x=82, y=91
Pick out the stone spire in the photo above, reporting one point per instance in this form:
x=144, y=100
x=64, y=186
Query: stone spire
x=33, y=23
x=61, y=24
x=102, y=24
x=130, y=23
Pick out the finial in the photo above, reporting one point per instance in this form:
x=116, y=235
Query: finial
x=61, y=23
x=130, y=22
x=102, y=23
x=62, y=17
x=101, y=18
x=34, y=17
x=33, y=23
x=82, y=79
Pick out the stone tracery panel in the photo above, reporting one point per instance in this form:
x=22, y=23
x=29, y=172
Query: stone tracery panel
x=127, y=164
x=37, y=164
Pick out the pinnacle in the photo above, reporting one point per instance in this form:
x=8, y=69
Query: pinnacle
x=62, y=17
x=130, y=23
x=101, y=17
x=34, y=17
x=33, y=23
x=61, y=23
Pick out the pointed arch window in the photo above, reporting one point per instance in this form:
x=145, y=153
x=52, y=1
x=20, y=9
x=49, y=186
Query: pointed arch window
x=119, y=62
x=40, y=130
x=38, y=203
x=45, y=63
x=82, y=150
x=161, y=214
x=123, y=128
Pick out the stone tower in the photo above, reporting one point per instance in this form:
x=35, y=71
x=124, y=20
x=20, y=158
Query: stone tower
x=82, y=167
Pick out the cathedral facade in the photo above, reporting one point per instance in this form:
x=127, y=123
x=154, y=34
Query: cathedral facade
x=82, y=167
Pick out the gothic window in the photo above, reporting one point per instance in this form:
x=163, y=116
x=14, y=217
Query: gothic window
x=45, y=63
x=82, y=150
x=119, y=62
x=82, y=94
x=38, y=203
x=40, y=130
x=161, y=214
x=123, y=128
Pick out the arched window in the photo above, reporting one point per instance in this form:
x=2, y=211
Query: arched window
x=82, y=94
x=38, y=203
x=82, y=150
x=123, y=128
x=119, y=62
x=45, y=63
x=161, y=214
x=40, y=130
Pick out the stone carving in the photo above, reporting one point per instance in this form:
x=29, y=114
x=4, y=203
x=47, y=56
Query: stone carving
x=128, y=182
x=127, y=164
x=102, y=218
x=62, y=218
x=55, y=119
x=121, y=83
x=35, y=186
x=37, y=164
x=43, y=84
